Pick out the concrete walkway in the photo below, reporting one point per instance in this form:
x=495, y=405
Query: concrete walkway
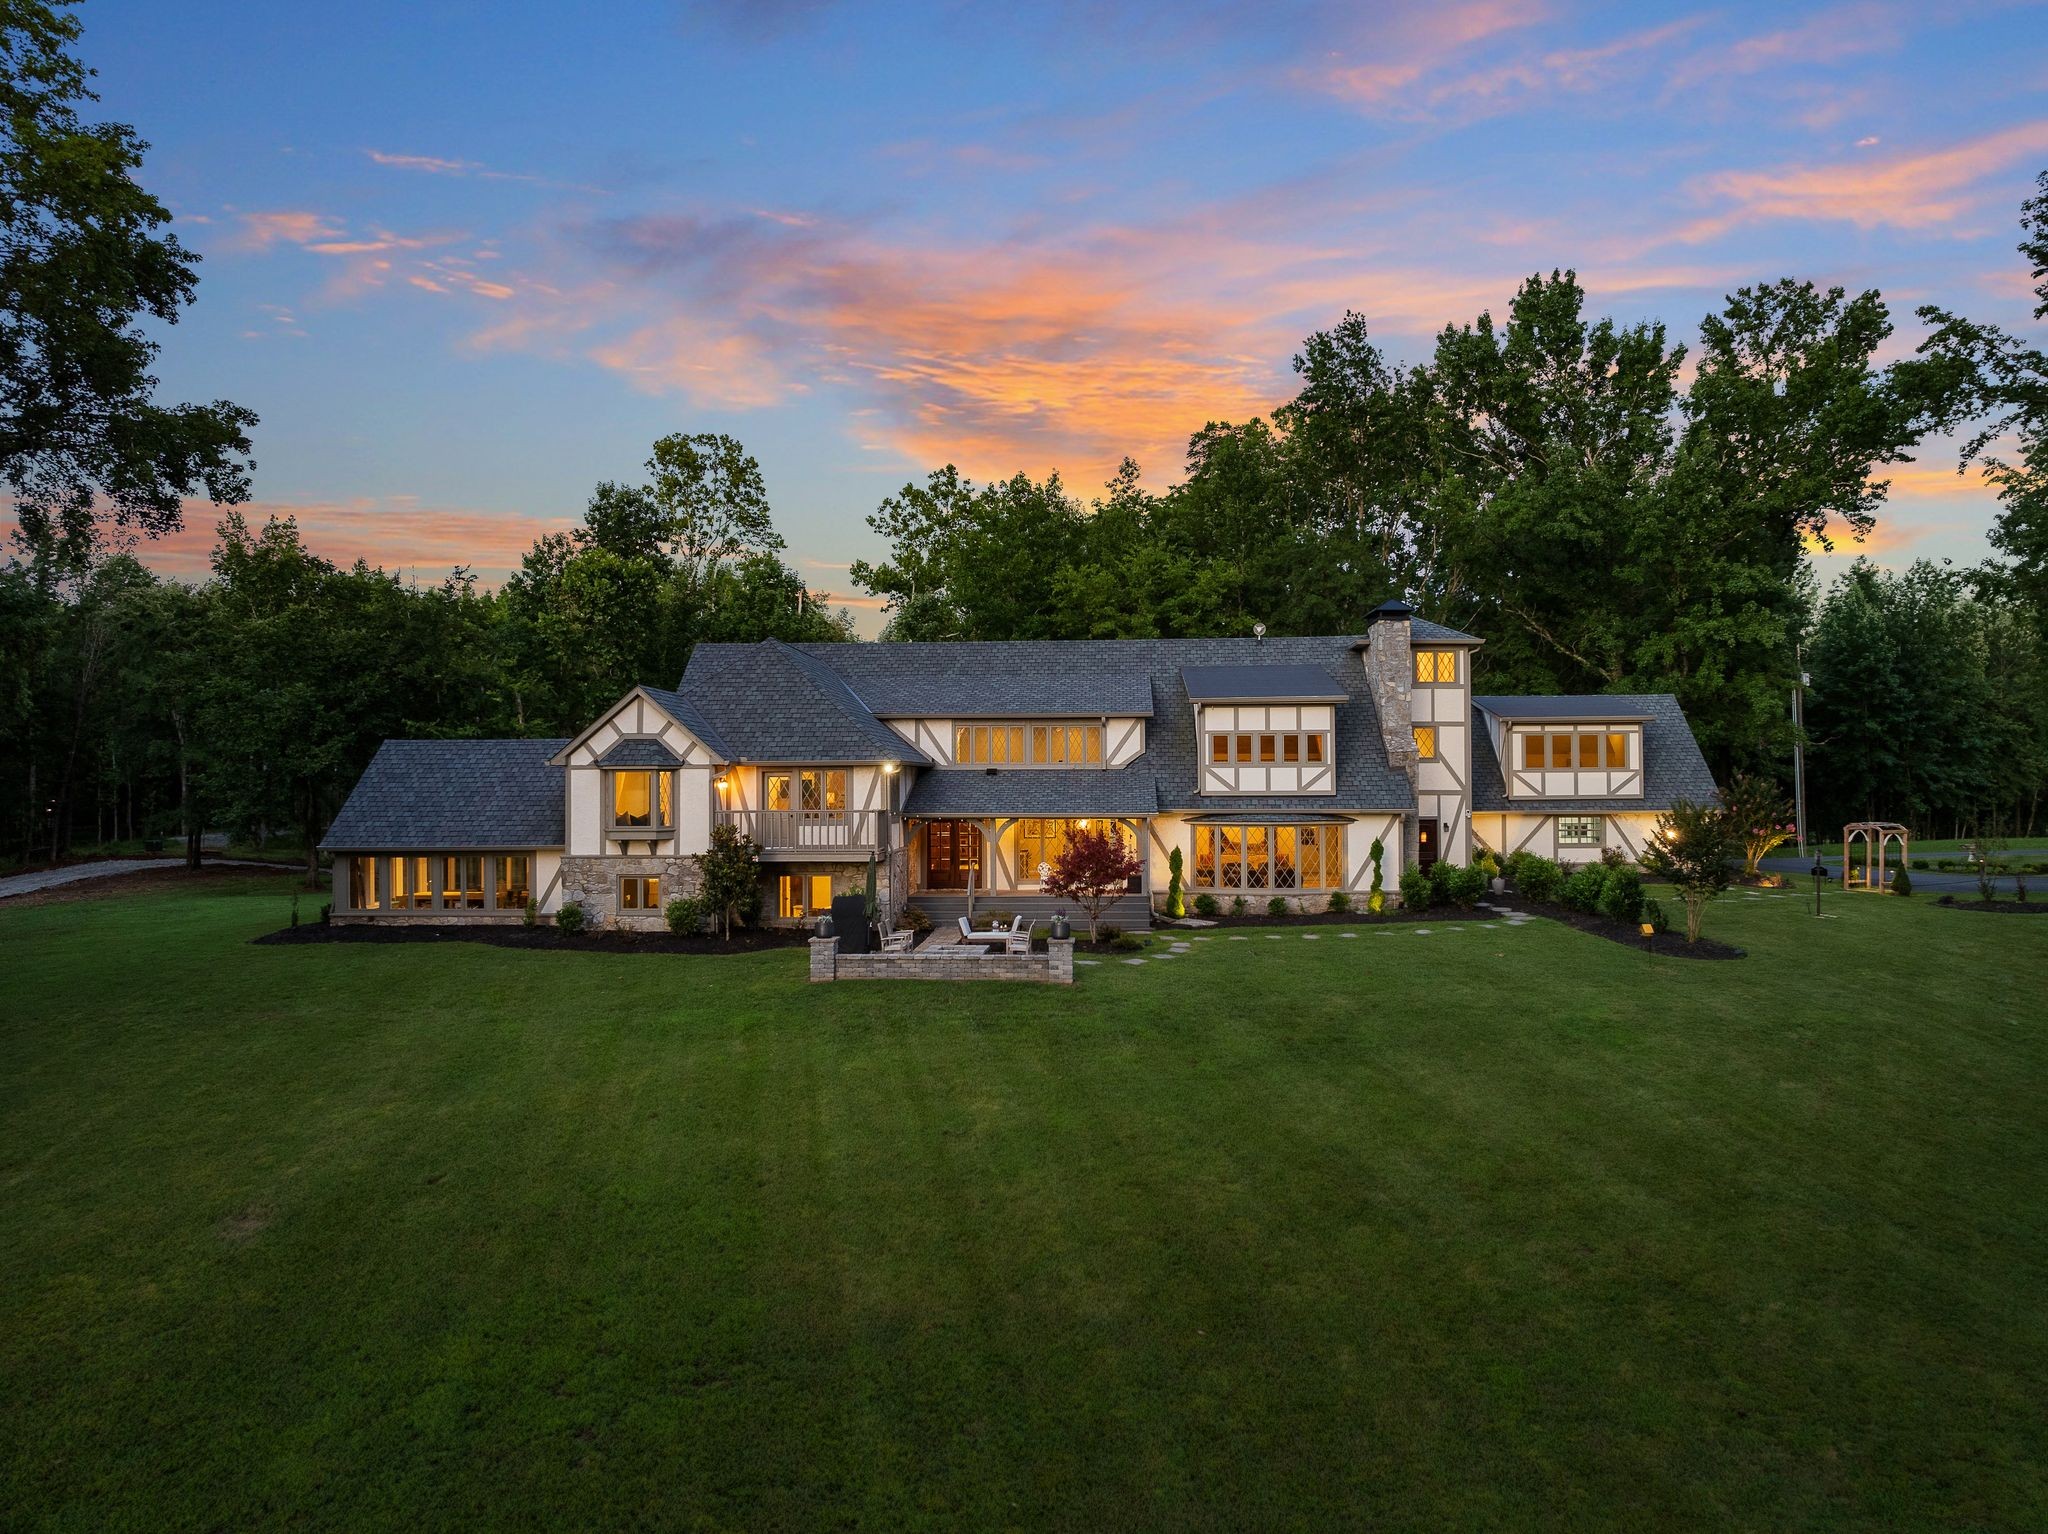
x=50, y=878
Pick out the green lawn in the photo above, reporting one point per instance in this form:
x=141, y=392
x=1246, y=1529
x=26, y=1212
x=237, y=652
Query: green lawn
x=1479, y=1229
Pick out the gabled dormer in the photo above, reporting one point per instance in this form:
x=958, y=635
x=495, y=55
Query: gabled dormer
x=1264, y=728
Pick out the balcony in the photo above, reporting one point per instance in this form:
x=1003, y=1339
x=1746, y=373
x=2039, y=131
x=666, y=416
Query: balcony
x=790, y=834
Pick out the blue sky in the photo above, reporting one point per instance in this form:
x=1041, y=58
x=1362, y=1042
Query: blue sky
x=468, y=260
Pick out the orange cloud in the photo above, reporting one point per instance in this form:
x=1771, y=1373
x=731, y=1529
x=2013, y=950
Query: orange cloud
x=1911, y=191
x=1845, y=31
x=1885, y=538
x=389, y=532
x=260, y=231
x=1407, y=49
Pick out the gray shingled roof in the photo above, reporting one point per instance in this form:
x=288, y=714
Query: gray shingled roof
x=1437, y=633
x=685, y=712
x=1672, y=765
x=771, y=702
x=640, y=751
x=1010, y=677
x=454, y=796
x=1228, y=684
x=983, y=681
x=1564, y=705
x=1033, y=791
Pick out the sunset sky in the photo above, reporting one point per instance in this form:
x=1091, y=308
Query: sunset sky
x=468, y=260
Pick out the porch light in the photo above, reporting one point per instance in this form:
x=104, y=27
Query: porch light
x=890, y=769
x=723, y=780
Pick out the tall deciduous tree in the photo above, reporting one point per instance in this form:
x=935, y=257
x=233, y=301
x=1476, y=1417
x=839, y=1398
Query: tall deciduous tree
x=84, y=445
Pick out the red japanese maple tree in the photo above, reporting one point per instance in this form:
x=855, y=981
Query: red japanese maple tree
x=1092, y=870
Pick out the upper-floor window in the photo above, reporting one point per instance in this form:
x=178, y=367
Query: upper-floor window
x=1436, y=665
x=818, y=792
x=642, y=798
x=1028, y=745
x=1564, y=750
x=1268, y=748
x=1425, y=742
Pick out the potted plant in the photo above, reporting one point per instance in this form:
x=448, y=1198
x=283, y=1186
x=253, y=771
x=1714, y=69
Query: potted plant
x=1059, y=928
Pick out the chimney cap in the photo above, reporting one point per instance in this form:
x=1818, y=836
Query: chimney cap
x=1394, y=609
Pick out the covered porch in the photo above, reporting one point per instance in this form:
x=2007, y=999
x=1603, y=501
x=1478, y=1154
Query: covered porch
x=961, y=865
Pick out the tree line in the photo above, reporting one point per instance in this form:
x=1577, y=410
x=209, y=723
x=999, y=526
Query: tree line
x=1610, y=510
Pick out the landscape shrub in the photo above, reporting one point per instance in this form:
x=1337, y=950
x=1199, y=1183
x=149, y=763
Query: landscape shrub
x=1176, y=902
x=532, y=912
x=1108, y=932
x=1582, y=888
x=1277, y=906
x=1238, y=905
x=685, y=916
x=1535, y=878
x=326, y=911
x=1653, y=913
x=1902, y=883
x=1379, y=851
x=570, y=918
x=913, y=919
x=1621, y=896
x=1339, y=902
x=1440, y=881
x=1205, y=905
x=1415, y=889
x=1376, y=902
x=1467, y=885
x=1613, y=857
x=1126, y=942
x=1488, y=865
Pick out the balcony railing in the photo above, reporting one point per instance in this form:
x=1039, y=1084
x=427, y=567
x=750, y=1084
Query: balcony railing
x=809, y=830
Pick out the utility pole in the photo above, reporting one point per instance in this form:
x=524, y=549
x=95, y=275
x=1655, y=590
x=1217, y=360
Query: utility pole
x=1799, y=745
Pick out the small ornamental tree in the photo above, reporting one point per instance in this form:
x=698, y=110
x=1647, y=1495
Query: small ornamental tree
x=732, y=878
x=1092, y=870
x=1761, y=817
x=1376, y=899
x=1692, y=849
x=1176, y=903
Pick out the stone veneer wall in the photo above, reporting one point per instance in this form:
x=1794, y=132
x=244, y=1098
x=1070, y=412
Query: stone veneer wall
x=1390, y=669
x=949, y=961
x=593, y=883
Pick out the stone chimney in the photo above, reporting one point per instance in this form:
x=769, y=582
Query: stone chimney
x=1391, y=670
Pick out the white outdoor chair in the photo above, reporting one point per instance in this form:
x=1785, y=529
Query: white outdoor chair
x=969, y=935
x=899, y=941
x=1018, y=939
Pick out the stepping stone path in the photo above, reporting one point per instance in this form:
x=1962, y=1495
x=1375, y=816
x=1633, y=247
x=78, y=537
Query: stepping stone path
x=1134, y=961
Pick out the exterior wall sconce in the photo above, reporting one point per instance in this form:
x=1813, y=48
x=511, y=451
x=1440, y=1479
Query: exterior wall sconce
x=890, y=769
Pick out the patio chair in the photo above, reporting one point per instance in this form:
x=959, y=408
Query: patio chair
x=898, y=941
x=1018, y=939
x=969, y=935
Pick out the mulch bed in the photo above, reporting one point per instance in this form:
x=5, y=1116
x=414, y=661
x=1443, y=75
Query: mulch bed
x=1996, y=907
x=550, y=938
x=1665, y=945
x=1397, y=916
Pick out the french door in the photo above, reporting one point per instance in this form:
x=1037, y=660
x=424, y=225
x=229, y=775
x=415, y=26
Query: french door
x=952, y=850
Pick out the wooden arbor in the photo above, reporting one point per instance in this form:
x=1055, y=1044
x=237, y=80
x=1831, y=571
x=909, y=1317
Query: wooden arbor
x=1877, y=837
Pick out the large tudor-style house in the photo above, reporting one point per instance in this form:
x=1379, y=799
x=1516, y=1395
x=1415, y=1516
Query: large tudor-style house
x=1273, y=765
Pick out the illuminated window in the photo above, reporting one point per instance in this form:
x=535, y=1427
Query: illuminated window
x=963, y=743
x=1425, y=742
x=1290, y=748
x=515, y=882
x=1617, y=749
x=411, y=884
x=362, y=884
x=801, y=895
x=1244, y=748
x=1269, y=857
x=1036, y=745
x=1265, y=748
x=1579, y=831
x=640, y=894
x=822, y=792
x=1560, y=751
x=1219, y=748
x=462, y=883
x=641, y=799
x=821, y=892
x=775, y=792
x=1532, y=752
x=1041, y=752
x=1436, y=665
x=1589, y=751
x=1315, y=748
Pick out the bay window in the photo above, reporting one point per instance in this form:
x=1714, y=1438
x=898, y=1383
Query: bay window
x=642, y=799
x=1261, y=857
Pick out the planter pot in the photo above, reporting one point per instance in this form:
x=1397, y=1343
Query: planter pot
x=826, y=926
x=1500, y=886
x=1060, y=928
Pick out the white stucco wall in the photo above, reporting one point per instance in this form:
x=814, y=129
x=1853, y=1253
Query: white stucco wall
x=1520, y=831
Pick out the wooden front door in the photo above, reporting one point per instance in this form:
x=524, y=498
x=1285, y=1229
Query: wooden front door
x=1425, y=843
x=952, y=850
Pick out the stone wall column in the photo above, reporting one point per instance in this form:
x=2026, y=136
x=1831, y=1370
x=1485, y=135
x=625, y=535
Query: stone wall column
x=1062, y=951
x=824, y=959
